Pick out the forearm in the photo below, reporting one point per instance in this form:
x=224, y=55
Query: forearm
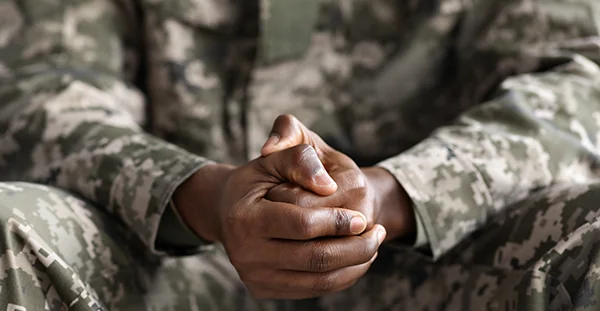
x=500, y=153
x=68, y=119
x=536, y=126
x=76, y=139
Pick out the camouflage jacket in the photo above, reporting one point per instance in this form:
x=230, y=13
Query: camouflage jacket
x=471, y=104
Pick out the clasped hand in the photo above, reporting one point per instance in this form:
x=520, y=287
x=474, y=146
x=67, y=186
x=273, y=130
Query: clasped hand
x=298, y=222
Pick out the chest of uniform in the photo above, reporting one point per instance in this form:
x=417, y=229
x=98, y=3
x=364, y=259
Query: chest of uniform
x=288, y=26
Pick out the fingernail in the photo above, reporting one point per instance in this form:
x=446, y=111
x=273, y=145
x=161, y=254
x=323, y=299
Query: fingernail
x=322, y=178
x=273, y=140
x=357, y=225
x=381, y=235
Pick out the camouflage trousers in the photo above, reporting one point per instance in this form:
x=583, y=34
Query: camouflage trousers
x=61, y=253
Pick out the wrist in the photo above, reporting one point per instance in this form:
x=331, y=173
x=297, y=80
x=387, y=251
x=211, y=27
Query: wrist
x=396, y=213
x=198, y=200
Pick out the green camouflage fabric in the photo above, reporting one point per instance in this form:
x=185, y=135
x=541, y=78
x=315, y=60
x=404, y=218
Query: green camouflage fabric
x=61, y=253
x=485, y=111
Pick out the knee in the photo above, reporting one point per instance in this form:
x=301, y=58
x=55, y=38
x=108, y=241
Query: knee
x=26, y=202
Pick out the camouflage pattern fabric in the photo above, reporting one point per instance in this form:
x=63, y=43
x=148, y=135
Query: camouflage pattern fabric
x=475, y=106
x=60, y=253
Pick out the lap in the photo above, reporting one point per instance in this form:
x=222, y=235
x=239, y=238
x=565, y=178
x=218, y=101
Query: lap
x=60, y=250
x=541, y=253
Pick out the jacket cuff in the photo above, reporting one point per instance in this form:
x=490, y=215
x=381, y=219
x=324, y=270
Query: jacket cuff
x=174, y=168
x=447, y=192
x=422, y=241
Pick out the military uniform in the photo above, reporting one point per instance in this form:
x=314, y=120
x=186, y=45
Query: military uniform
x=486, y=111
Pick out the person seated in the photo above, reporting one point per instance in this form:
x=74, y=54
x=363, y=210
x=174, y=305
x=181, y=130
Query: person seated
x=299, y=155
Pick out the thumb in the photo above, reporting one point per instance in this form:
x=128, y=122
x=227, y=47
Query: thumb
x=288, y=132
x=299, y=165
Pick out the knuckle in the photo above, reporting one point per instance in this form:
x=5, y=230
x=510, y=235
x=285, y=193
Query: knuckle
x=341, y=221
x=322, y=259
x=359, y=191
x=360, y=180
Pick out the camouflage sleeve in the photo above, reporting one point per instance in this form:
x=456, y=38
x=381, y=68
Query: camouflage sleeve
x=540, y=127
x=67, y=117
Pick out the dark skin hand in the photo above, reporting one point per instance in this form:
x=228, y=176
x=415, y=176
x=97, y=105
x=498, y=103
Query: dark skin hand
x=273, y=245
x=373, y=191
